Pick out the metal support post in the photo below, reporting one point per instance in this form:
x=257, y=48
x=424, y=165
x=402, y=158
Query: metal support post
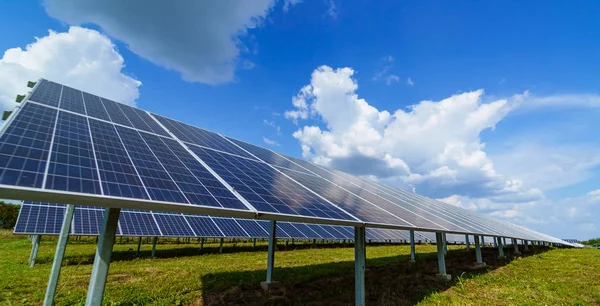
x=526, y=247
x=221, y=245
x=500, y=248
x=412, y=246
x=35, y=245
x=439, y=238
x=495, y=242
x=59, y=255
x=254, y=242
x=468, y=244
x=483, y=241
x=102, y=258
x=139, y=246
x=360, y=262
x=516, y=246
x=202, y=243
x=479, y=263
x=269, y=283
x=154, y=246
x=445, y=244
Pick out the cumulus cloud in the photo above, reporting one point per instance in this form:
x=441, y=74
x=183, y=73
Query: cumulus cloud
x=410, y=82
x=272, y=124
x=433, y=145
x=81, y=58
x=199, y=39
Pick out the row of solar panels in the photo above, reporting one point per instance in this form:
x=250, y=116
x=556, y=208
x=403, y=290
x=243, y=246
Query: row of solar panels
x=90, y=149
x=46, y=219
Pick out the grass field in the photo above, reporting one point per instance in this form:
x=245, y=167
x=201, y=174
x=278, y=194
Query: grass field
x=321, y=275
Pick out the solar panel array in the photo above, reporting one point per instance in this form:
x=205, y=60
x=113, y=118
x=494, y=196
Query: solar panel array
x=66, y=143
x=46, y=219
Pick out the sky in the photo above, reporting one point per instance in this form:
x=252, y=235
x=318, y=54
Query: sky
x=490, y=106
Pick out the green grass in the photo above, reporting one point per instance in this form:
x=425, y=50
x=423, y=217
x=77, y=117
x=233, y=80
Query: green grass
x=181, y=276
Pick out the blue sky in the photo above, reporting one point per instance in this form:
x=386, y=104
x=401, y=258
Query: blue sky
x=235, y=69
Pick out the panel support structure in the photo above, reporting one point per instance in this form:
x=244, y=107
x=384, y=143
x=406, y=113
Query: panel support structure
x=221, y=245
x=479, y=263
x=154, y=246
x=139, y=246
x=202, y=243
x=483, y=241
x=439, y=238
x=412, y=246
x=500, y=248
x=35, y=245
x=360, y=261
x=467, y=242
x=102, y=258
x=269, y=283
x=525, y=244
x=514, y=241
x=445, y=243
x=63, y=237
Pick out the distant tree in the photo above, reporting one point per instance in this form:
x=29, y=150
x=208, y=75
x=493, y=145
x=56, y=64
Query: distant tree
x=592, y=241
x=8, y=215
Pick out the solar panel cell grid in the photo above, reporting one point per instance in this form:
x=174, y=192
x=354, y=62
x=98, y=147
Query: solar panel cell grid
x=230, y=228
x=72, y=100
x=47, y=93
x=87, y=221
x=138, y=224
x=115, y=113
x=72, y=166
x=35, y=219
x=173, y=225
x=24, y=146
x=204, y=226
x=94, y=107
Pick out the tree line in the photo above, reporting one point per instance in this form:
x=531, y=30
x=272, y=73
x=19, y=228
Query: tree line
x=8, y=215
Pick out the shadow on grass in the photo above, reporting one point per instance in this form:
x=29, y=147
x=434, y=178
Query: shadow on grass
x=389, y=280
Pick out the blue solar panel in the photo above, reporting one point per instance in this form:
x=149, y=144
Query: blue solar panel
x=334, y=231
x=252, y=228
x=173, y=225
x=94, y=107
x=230, y=228
x=347, y=231
x=138, y=224
x=200, y=137
x=306, y=231
x=156, y=179
x=115, y=113
x=24, y=146
x=203, y=226
x=72, y=100
x=141, y=120
x=319, y=230
x=290, y=230
x=72, y=166
x=87, y=221
x=47, y=93
x=266, y=189
x=118, y=176
x=34, y=219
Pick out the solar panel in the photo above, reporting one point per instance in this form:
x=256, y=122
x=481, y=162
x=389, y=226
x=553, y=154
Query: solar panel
x=62, y=141
x=87, y=221
x=35, y=219
x=204, y=226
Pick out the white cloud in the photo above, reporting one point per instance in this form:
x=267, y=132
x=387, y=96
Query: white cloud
x=332, y=9
x=273, y=125
x=287, y=4
x=433, y=146
x=410, y=82
x=199, y=39
x=81, y=58
x=270, y=142
x=388, y=58
x=391, y=78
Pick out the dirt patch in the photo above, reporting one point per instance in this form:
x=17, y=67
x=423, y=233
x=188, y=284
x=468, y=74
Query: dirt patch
x=399, y=283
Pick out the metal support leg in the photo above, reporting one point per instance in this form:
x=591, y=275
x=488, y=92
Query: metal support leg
x=500, y=249
x=254, y=242
x=439, y=238
x=483, y=241
x=35, y=245
x=412, y=246
x=479, y=263
x=154, y=246
x=202, y=243
x=102, y=258
x=495, y=242
x=59, y=255
x=139, y=246
x=467, y=242
x=360, y=262
x=525, y=244
x=269, y=283
x=514, y=241
x=445, y=244
x=221, y=245
x=503, y=241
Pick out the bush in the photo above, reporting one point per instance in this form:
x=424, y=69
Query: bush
x=8, y=215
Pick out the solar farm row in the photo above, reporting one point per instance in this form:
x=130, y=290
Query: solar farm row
x=64, y=142
x=38, y=218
